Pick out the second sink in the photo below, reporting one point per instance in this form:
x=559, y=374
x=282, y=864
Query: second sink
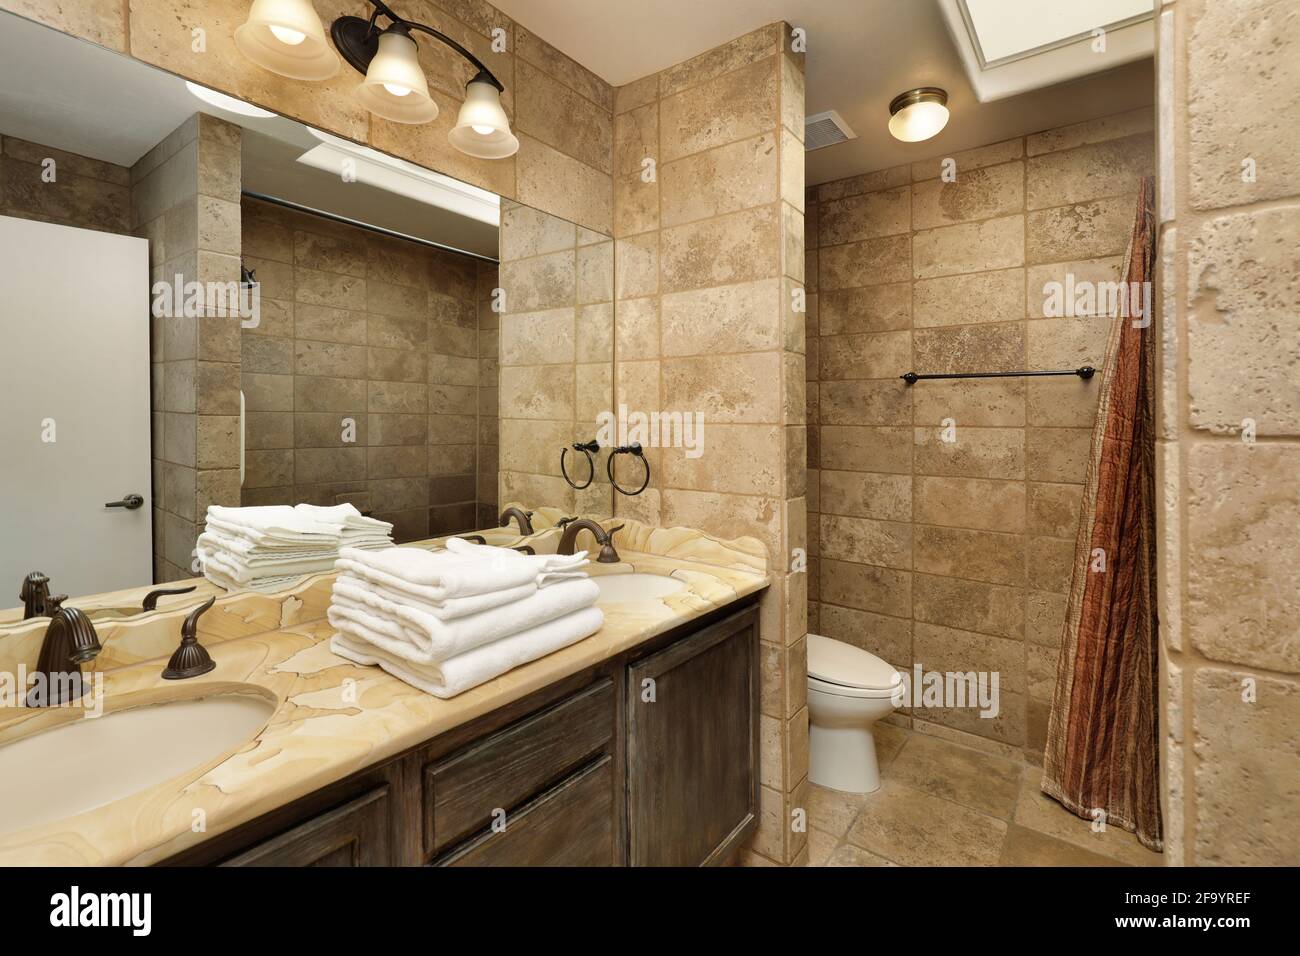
x=625, y=588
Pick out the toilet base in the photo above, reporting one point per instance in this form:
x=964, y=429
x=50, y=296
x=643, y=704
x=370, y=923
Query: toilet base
x=843, y=758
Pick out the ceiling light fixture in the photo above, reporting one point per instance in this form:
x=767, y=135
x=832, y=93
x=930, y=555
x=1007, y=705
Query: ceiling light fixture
x=395, y=89
x=918, y=114
x=286, y=37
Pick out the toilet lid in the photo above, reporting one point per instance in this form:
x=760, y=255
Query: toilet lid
x=840, y=663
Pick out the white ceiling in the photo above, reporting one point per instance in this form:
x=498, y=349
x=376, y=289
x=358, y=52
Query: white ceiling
x=861, y=53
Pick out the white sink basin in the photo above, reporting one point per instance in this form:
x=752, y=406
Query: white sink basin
x=623, y=588
x=89, y=762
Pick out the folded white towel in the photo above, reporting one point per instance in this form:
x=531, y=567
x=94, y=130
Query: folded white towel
x=554, y=567
x=274, y=546
x=448, y=610
x=420, y=637
x=458, y=674
x=263, y=584
x=246, y=570
x=277, y=524
x=436, y=576
x=544, y=562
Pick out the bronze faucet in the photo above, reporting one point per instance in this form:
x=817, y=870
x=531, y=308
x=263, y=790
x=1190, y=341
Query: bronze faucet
x=70, y=641
x=34, y=594
x=523, y=517
x=603, y=538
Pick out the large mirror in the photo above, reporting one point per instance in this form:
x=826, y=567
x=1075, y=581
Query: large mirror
x=208, y=304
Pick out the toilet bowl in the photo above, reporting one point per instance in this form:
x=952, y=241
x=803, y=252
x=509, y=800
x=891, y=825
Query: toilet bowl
x=849, y=689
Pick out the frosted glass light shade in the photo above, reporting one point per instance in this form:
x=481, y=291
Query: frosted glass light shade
x=286, y=37
x=394, y=87
x=482, y=128
x=918, y=115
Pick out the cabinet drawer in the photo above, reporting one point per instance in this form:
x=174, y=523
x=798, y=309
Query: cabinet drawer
x=572, y=824
x=355, y=834
x=462, y=791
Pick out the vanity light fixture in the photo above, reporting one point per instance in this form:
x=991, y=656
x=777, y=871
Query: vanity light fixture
x=918, y=114
x=286, y=37
x=394, y=85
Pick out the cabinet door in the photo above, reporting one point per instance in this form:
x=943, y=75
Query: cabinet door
x=572, y=824
x=355, y=834
x=692, y=746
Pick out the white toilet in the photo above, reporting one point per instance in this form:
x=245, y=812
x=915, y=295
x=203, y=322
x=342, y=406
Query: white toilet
x=849, y=689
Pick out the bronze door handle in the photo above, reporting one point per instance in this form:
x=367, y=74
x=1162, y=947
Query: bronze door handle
x=129, y=502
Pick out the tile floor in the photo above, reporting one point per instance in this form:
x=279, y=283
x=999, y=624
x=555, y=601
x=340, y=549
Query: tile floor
x=942, y=804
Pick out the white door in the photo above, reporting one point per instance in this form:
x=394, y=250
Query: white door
x=74, y=409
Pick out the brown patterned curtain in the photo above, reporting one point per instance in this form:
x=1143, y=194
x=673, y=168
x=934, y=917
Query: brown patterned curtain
x=1103, y=734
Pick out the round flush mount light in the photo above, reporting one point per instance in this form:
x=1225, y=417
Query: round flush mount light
x=394, y=87
x=482, y=128
x=286, y=37
x=918, y=114
x=226, y=103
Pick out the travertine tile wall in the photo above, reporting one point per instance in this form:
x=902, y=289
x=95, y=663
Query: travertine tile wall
x=555, y=346
x=371, y=330
x=1229, y=428
x=709, y=229
x=561, y=112
x=956, y=555
x=185, y=202
x=85, y=193
x=489, y=404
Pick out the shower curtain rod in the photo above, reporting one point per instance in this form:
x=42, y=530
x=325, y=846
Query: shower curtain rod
x=1085, y=372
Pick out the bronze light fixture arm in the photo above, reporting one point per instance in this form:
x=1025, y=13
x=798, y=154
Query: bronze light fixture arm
x=357, y=40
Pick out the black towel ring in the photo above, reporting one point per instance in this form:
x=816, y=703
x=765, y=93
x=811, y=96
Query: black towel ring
x=588, y=448
x=633, y=449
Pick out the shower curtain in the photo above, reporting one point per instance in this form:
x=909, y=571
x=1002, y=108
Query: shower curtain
x=1103, y=733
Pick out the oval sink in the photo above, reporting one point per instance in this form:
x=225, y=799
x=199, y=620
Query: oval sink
x=618, y=588
x=89, y=762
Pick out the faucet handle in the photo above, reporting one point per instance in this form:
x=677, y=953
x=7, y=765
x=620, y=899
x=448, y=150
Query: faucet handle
x=607, y=553
x=191, y=658
x=35, y=594
x=150, y=602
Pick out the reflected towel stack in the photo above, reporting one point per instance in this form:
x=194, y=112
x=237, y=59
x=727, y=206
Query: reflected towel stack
x=446, y=621
x=275, y=546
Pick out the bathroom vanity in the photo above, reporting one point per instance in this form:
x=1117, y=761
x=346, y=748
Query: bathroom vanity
x=635, y=746
x=650, y=758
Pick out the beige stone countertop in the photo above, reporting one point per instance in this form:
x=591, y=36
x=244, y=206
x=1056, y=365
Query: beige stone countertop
x=332, y=717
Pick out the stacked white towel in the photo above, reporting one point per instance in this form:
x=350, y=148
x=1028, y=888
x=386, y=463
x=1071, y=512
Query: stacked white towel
x=446, y=621
x=275, y=546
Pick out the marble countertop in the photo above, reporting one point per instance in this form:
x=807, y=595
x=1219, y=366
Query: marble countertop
x=333, y=718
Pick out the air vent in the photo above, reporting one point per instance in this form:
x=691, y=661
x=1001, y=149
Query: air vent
x=825, y=129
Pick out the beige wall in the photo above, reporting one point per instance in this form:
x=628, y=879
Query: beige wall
x=707, y=256
x=561, y=112
x=381, y=331
x=957, y=555
x=185, y=202
x=1227, y=75
x=555, y=350
x=85, y=193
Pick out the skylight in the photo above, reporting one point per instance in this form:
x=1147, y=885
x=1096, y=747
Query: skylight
x=1008, y=29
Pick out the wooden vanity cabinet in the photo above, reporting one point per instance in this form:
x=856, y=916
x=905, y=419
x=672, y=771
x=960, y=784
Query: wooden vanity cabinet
x=355, y=834
x=692, y=747
x=647, y=759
